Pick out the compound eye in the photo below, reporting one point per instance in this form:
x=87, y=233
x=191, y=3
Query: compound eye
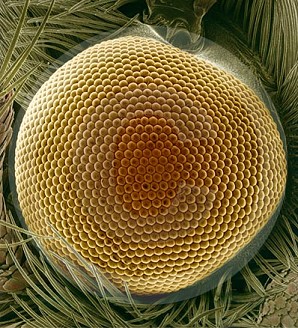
x=151, y=164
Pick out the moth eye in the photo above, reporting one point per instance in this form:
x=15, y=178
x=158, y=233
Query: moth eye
x=153, y=165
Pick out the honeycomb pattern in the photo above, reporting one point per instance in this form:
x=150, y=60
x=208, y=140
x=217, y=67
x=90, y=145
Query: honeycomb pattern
x=154, y=165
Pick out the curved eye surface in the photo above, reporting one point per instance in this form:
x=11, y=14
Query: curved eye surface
x=155, y=166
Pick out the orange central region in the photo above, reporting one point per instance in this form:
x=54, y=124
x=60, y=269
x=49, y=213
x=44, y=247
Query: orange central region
x=150, y=166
